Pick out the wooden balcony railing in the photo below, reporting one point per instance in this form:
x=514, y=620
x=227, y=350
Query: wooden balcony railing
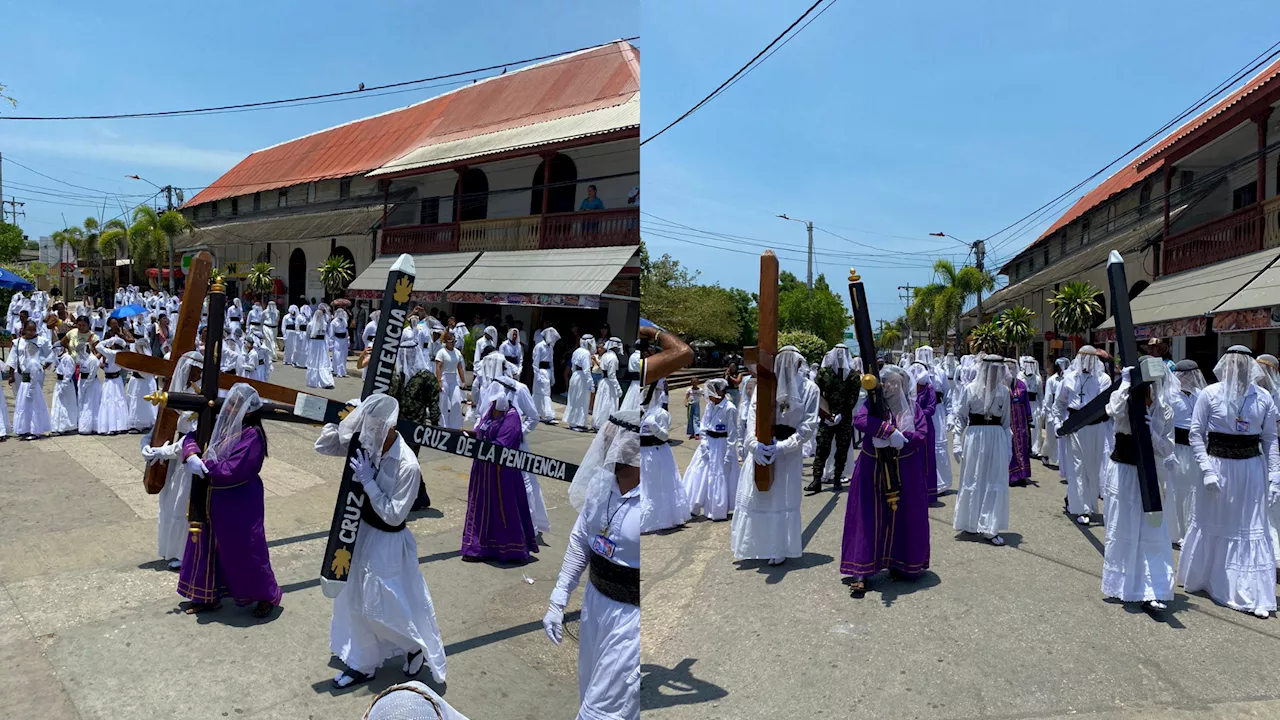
x=591, y=228
x=1271, y=223
x=1230, y=236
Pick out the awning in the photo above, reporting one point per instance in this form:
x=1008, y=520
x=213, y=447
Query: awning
x=163, y=272
x=575, y=277
x=435, y=272
x=1191, y=295
x=284, y=228
x=1257, y=305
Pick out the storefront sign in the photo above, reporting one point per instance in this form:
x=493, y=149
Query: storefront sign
x=590, y=302
x=1243, y=320
x=1185, y=327
x=422, y=297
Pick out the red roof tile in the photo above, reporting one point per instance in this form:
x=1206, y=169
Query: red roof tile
x=601, y=77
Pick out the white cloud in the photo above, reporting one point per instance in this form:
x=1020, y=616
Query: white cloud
x=153, y=154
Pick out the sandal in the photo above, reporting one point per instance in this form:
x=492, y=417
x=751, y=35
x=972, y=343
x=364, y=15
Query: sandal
x=857, y=587
x=1154, y=606
x=263, y=609
x=413, y=663
x=996, y=540
x=349, y=677
x=197, y=608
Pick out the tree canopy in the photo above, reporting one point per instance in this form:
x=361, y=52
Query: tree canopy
x=10, y=242
x=672, y=297
x=823, y=314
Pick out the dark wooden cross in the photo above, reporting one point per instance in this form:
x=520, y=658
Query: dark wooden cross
x=761, y=357
x=886, y=457
x=198, y=505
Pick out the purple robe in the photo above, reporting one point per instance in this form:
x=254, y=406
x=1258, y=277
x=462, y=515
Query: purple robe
x=876, y=537
x=1020, y=425
x=498, y=523
x=927, y=400
x=229, y=557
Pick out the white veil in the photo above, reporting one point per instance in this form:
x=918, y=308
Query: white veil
x=1236, y=370
x=240, y=401
x=899, y=396
x=373, y=418
x=839, y=359
x=988, y=382
x=617, y=444
x=786, y=366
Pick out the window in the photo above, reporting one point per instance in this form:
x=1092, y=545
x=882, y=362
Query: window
x=1244, y=196
x=1144, y=199
x=235, y=206
x=1084, y=231
x=213, y=209
x=1017, y=271
x=282, y=200
x=1032, y=260
x=1046, y=256
x=1062, y=246
x=344, y=188
x=429, y=212
x=257, y=201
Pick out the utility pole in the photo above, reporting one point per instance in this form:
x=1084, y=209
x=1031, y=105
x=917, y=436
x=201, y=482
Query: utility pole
x=979, y=252
x=168, y=191
x=809, y=273
x=905, y=296
x=13, y=209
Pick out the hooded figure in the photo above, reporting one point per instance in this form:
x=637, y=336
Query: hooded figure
x=1029, y=373
x=581, y=386
x=1227, y=552
x=410, y=701
x=839, y=386
x=609, y=391
x=319, y=366
x=766, y=523
x=544, y=374
x=1270, y=381
x=385, y=610
x=485, y=344
x=1084, y=450
x=929, y=399
x=234, y=315
x=113, y=412
x=1179, y=471
x=711, y=479
x=270, y=321
x=1053, y=444
x=663, y=501
x=142, y=414
x=89, y=392
x=341, y=343
x=65, y=413
x=171, y=525
x=27, y=363
x=881, y=532
x=1020, y=419
x=512, y=350
x=605, y=537
x=1137, y=564
x=517, y=396
x=983, y=445
x=289, y=325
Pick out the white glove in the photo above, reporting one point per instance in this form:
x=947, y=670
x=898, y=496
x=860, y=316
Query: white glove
x=759, y=449
x=196, y=465
x=897, y=440
x=955, y=452
x=362, y=468
x=832, y=421
x=153, y=455
x=553, y=623
x=879, y=442
x=1171, y=462
x=1213, y=481
x=1273, y=493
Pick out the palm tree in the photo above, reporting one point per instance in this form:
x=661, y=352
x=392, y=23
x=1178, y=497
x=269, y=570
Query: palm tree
x=335, y=274
x=952, y=290
x=113, y=242
x=152, y=233
x=984, y=338
x=888, y=338
x=1015, y=327
x=1076, y=308
x=72, y=237
x=260, y=278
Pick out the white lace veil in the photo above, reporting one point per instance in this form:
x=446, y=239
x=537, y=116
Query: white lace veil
x=181, y=382
x=1269, y=380
x=988, y=383
x=787, y=368
x=839, y=359
x=240, y=401
x=551, y=336
x=1086, y=361
x=1236, y=370
x=410, y=701
x=718, y=387
x=899, y=396
x=373, y=418
x=1190, y=379
x=618, y=443
x=1030, y=366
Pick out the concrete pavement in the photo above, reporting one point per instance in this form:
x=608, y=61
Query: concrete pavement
x=89, y=626
x=1013, y=632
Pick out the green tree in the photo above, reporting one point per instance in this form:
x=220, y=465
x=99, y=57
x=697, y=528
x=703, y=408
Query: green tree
x=1016, y=329
x=150, y=235
x=941, y=303
x=822, y=313
x=261, y=278
x=671, y=297
x=10, y=242
x=810, y=346
x=13, y=102
x=113, y=244
x=748, y=316
x=888, y=339
x=1076, y=308
x=336, y=273
x=985, y=338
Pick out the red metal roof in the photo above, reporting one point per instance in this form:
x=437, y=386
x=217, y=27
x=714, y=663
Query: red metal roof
x=589, y=80
x=1149, y=162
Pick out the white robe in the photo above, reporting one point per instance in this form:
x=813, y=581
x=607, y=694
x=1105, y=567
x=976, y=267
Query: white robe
x=270, y=320
x=580, y=388
x=319, y=367
x=340, y=347
x=385, y=609
x=766, y=524
x=113, y=410
x=1181, y=475
x=1137, y=564
x=1033, y=384
x=663, y=501
x=940, y=423
x=288, y=325
x=142, y=414
x=982, y=504
x=609, y=394
x=90, y=396
x=542, y=382
x=1227, y=551
x=711, y=480
x=171, y=524
x=450, y=388
x=1052, y=444
x=514, y=353
x=1087, y=448
x=608, y=630
x=30, y=413
x=66, y=408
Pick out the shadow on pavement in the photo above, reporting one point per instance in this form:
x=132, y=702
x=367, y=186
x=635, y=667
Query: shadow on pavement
x=390, y=673
x=682, y=687
x=891, y=588
x=1011, y=539
x=775, y=573
x=812, y=528
x=315, y=582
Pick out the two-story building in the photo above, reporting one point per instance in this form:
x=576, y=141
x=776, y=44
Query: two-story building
x=1195, y=217
x=517, y=195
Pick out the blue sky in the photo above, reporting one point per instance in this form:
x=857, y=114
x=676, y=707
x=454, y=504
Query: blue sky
x=82, y=57
x=883, y=122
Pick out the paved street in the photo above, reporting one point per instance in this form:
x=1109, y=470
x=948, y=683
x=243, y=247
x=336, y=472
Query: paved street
x=1013, y=632
x=88, y=620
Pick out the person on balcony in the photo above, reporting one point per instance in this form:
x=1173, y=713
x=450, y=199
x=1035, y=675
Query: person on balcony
x=591, y=202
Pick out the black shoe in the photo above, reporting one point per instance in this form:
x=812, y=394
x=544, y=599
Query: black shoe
x=813, y=487
x=836, y=484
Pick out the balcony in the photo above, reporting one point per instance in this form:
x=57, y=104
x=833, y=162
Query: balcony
x=1230, y=236
x=591, y=228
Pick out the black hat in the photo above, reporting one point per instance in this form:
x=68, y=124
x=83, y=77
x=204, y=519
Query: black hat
x=1185, y=366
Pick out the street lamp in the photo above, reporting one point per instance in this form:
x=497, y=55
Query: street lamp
x=168, y=191
x=809, y=226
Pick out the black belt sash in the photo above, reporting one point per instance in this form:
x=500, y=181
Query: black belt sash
x=1098, y=421
x=1182, y=436
x=1230, y=446
x=984, y=419
x=939, y=396
x=26, y=377
x=1032, y=396
x=544, y=365
x=340, y=335
x=317, y=337
x=651, y=441
x=61, y=377
x=255, y=323
x=370, y=516
x=616, y=582
x=719, y=435
x=782, y=432
x=628, y=377
x=112, y=375
x=1124, y=450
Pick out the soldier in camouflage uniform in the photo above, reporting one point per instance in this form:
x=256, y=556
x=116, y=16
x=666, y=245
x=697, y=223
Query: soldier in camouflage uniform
x=419, y=400
x=839, y=385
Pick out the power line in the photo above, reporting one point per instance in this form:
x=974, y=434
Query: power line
x=733, y=77
x=286, y=101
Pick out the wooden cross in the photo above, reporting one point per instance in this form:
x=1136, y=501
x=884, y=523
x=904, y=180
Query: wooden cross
x=184, y=341
x=886, y=458
x=761, y=357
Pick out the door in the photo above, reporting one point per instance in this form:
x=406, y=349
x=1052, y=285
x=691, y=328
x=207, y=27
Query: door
x=297, y=277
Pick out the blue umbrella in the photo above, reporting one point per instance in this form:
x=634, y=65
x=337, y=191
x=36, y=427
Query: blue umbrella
x=13, y=281
x=125, y=311
x=646, y=323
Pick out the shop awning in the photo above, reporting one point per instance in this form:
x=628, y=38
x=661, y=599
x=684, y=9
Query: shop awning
x=163, y=272
x=435, y=272
x=1192, y=295
x=557, y=278
x=1257, y=305
x=284, y=228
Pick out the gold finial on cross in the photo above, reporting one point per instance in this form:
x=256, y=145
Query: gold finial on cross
x=854, y=276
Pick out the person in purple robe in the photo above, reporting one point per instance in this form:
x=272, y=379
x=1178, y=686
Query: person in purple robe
x=927, y=401
x=228, y=557
x=499, y=525
x=1020, y=426
x=880, y=532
